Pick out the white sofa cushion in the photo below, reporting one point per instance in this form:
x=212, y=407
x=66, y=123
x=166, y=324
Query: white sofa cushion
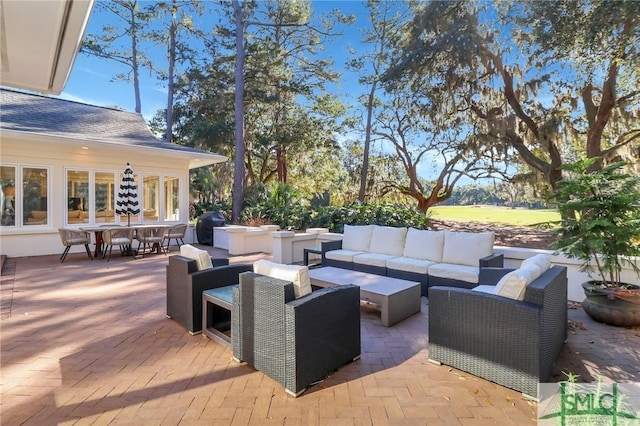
x=470, y=274
x=202, y=258
x=466, y=248
x=342, y=255
x=372, y=259
x=409, y=264
x=485, y=288
x=357, y=238
x=542, y=261
x=514, y=284
x=297, y=274
x=426, y=245
x=387, y=240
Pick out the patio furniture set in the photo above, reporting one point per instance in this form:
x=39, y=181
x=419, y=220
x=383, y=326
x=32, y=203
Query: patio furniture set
x=149, y=237
x=298, y=325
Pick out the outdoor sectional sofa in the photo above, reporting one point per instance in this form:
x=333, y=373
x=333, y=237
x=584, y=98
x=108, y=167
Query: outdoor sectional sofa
x=511, y=339
x=430, y=257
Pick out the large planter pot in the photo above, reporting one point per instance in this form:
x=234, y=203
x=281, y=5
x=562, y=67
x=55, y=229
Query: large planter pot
x=612, y=306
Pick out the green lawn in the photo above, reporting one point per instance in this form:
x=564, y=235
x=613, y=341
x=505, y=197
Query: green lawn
x=492, y=214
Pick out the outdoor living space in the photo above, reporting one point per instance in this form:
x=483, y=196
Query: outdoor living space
x=88, y=342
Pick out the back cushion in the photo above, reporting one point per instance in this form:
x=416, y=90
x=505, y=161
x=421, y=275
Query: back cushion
x=202, y=258
x=466, y=248
x=39, y=214
x=425, y=245
x=72, y=214
x=387, y=240
x=357, y=238
x=514, y=284
x=296, y=274
x=542, y=261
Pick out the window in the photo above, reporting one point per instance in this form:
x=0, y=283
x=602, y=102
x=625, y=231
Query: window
x=172, y=198
x=105, y=197
x=151, y=198
x=78, y=200
x=8, y=195
x=34, y=196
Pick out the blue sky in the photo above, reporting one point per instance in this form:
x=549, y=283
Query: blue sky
x=91, y=79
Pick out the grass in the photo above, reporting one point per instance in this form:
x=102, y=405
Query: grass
x=494, y=214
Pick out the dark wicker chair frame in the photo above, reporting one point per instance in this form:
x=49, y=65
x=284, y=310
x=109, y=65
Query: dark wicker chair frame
x=185, y=285
x=296, y=342
x=426, y=281
x=509, y=342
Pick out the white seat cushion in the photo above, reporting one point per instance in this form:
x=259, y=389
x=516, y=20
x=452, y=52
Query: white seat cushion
x=202, y=258
x=514, y=284
x=372, y=259
x=491, y=289
x=343, y=255
x=466, y=248
x=409, y=264
x=387, y=240
x=470, y=274
x=357, y=238
x=426, y=245
x=542, y=261
x=296, y=274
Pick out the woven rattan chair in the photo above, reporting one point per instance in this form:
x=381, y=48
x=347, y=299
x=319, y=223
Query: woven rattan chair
x=122, y=237
x=176, y=232
x=296, y=342
x=510, y=342
x=74, y=237
x=150, y=237
x=185, y=284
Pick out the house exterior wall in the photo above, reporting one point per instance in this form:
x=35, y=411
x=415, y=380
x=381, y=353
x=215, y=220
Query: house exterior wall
x=58, y=155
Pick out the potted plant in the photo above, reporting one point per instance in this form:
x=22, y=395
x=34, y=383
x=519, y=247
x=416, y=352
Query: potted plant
x=600, y=225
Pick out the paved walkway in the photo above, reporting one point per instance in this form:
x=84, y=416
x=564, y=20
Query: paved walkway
x=88, y=343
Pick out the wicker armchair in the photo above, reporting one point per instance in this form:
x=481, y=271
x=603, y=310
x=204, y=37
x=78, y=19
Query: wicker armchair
x=509, y=342
x=73, y=237
x=150, y=237
x=185, y=285
x=296, y=342
x=176, y=232
x=122, y=237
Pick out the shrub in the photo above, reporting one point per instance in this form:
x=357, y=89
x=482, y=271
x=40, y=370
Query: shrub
x=298, y=216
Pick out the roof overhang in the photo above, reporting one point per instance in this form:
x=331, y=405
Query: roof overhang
x=39, y=41
x=196, y=158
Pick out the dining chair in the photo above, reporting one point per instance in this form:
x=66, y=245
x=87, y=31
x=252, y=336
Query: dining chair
x=122, y=236
x=74, y=237
x=176, y=232
x=150, y=237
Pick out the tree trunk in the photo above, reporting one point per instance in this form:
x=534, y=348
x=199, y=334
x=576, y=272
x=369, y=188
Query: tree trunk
x=134, y=61
x=172, y=61
x=367, y=144
x=238, y=173
x=281, y=160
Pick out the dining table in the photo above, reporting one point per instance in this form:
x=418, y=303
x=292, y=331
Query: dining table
x=99, y=229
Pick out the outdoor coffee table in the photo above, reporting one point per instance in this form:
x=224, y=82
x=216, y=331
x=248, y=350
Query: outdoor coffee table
x=397, y=299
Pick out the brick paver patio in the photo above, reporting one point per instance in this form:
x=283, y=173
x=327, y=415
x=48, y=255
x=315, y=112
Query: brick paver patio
x=88, y=343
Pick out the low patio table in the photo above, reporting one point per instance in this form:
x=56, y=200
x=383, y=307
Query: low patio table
x=216, y=313
x=397, y=299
